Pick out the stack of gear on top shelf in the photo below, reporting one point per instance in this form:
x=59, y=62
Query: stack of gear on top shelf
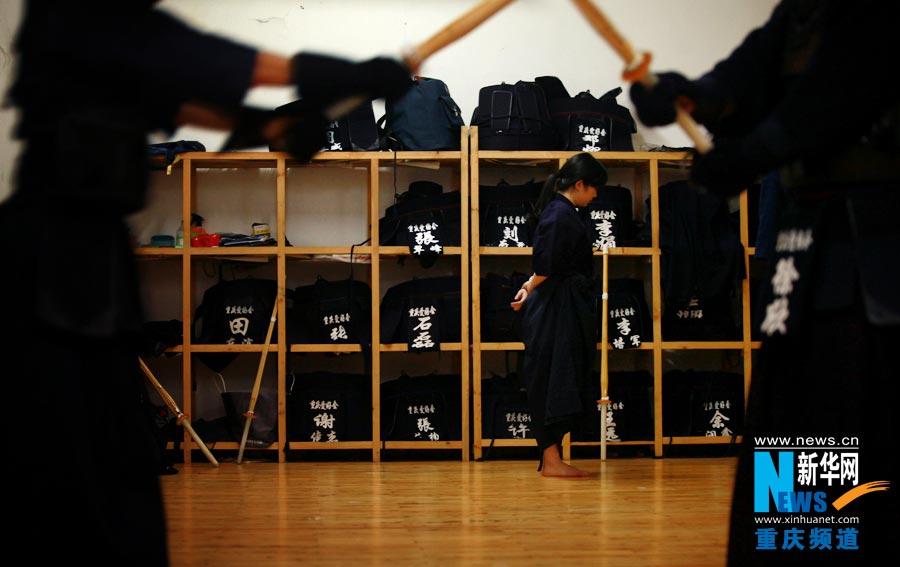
x=513, y=118
x=542, y=115
x=355, y=131
x=586, y=123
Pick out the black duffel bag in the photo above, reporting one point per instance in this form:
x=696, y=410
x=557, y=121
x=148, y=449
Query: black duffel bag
x=325, y=407
x=423, y=203
x=506, y=216
x=233, y=312
x=331, y=312
x=629, y=412
x=700, y=319
x=611, y=219
x=504, y=409
x=408, y=307
x=629, y=323
x=422, y=408
x=702, y=403
x=425, y=219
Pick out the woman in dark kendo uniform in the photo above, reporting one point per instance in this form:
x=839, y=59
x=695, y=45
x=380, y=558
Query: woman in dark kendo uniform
x=559, y=320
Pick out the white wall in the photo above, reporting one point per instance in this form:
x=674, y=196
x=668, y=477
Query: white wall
x=10, y=14
x=526, y=39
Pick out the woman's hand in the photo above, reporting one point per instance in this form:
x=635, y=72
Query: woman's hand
x=520, y=298
x=526, y=289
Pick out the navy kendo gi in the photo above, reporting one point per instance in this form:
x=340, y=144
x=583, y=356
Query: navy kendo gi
x=93, y=79
x=560, y=322
x=805, y=95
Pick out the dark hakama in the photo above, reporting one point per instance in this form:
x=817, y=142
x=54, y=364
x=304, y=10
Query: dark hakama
x=559, y=322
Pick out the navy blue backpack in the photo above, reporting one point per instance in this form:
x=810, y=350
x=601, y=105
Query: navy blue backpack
x=426, y=118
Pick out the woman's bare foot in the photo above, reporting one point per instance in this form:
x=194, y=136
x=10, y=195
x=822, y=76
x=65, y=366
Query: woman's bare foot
x=554, y=466
x=563, y=469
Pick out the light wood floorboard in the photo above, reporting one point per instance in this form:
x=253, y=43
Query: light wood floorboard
x=670, y=512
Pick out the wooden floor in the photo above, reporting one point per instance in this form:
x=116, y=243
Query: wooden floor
x=634, y=512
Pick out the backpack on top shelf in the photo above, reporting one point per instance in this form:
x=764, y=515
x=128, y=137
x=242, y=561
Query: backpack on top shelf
x=513, y=117
x=425, y=118
x=585, y=123
x=355, y=131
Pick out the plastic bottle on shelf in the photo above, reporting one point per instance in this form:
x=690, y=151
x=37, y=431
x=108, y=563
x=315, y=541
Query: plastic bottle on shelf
x=179, y=236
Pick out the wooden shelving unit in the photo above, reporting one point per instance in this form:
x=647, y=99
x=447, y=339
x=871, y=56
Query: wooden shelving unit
x=643, y=169
x=194, y=166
